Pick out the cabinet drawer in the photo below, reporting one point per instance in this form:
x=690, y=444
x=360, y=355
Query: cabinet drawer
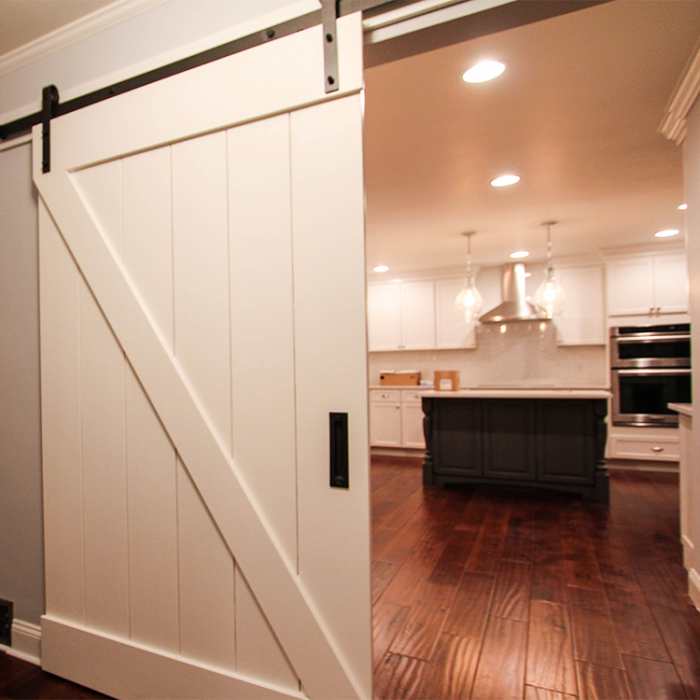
x=411, y=397
x=385, y=395
x=664, y=449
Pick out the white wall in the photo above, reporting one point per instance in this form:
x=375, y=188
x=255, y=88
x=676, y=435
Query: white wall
x=691, y=175
x=148, y=39
x=21, y=545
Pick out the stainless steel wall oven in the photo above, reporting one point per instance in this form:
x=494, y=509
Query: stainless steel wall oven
x=650, y=368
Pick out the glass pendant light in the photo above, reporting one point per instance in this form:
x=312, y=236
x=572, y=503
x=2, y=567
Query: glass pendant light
x=468, y=302
x=550, y=297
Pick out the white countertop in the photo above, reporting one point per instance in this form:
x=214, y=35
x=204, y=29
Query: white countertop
x=520, y=394
x=685, y=408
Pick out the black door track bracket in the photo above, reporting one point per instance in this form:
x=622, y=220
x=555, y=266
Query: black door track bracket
x=49, y=107
x=329, y=17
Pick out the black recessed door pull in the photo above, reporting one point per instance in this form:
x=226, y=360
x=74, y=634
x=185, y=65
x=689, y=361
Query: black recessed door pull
x=339, y=450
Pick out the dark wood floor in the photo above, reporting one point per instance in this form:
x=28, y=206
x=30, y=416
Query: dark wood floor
x=488, y=594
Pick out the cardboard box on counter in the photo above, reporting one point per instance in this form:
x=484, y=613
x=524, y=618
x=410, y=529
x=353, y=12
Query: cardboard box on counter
x=446, y=380
x=408, y=377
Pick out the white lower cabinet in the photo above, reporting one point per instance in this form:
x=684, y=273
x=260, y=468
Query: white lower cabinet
x=396, y=418
x=385, y=418
x=412, y=420
x=655, y=444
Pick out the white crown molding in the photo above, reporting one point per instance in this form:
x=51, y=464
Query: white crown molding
x=673, y=125
x=75, y=31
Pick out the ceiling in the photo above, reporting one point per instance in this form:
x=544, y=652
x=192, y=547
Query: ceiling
x=575, y=115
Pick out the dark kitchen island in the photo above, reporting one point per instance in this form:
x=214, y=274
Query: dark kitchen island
x=518, y=438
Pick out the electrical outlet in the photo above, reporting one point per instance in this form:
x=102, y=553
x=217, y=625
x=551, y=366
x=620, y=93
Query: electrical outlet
x=6, y=622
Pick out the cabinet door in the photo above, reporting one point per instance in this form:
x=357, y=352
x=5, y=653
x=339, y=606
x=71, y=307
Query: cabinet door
x=566, y=441
x=630, y=284
x=583, y=320
x=452, y=331
x=457, y=437
x=385, y=418
x=384, y=316
x=418, y=315
x=509, y=439
x=671, y=283
x=412, y=420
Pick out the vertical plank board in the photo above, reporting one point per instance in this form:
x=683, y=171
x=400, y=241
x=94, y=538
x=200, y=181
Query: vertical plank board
x=331, y=376
x=153, y=571
x=100, y=188
x=152, y=466
x=262, y=322
x=148, y=236
x=207, y=621
x=201, y=279
x=262, y=354
x=60, y=416
x=102, y=367
x=258, y=653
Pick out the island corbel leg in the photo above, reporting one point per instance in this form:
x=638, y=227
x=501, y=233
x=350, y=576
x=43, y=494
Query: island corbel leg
x=602, y=479
x=428, y=467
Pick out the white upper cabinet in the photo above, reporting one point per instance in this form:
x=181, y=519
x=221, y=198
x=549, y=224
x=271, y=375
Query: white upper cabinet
x=452, y=331
x=671, y=283
x=583, y=319
x=401, y=316
x=647, y=285
x=384, y=316
x=418, y=315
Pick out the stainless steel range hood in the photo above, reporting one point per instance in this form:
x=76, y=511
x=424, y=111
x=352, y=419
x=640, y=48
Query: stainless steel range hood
x=514, y=307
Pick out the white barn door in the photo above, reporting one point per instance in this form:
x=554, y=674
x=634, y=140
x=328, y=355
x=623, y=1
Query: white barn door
x=202, y=314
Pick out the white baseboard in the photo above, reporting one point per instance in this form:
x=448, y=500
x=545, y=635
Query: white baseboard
x=694, y=587
x=26, y=642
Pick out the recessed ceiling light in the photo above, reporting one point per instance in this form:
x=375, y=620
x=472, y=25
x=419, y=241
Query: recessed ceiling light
x=683, y=206
x=519, y=254
x=505, y=180
x=381, y=268
x=667, y=233
x=483, y=71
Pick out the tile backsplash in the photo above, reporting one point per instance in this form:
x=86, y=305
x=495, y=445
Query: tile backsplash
x=525, y=355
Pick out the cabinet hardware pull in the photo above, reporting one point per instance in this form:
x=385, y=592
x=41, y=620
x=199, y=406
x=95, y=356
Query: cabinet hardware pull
x=657, y=449
x=385, y=396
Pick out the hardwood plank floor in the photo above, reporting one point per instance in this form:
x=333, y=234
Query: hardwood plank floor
x=558, y=598
x=488, y=594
